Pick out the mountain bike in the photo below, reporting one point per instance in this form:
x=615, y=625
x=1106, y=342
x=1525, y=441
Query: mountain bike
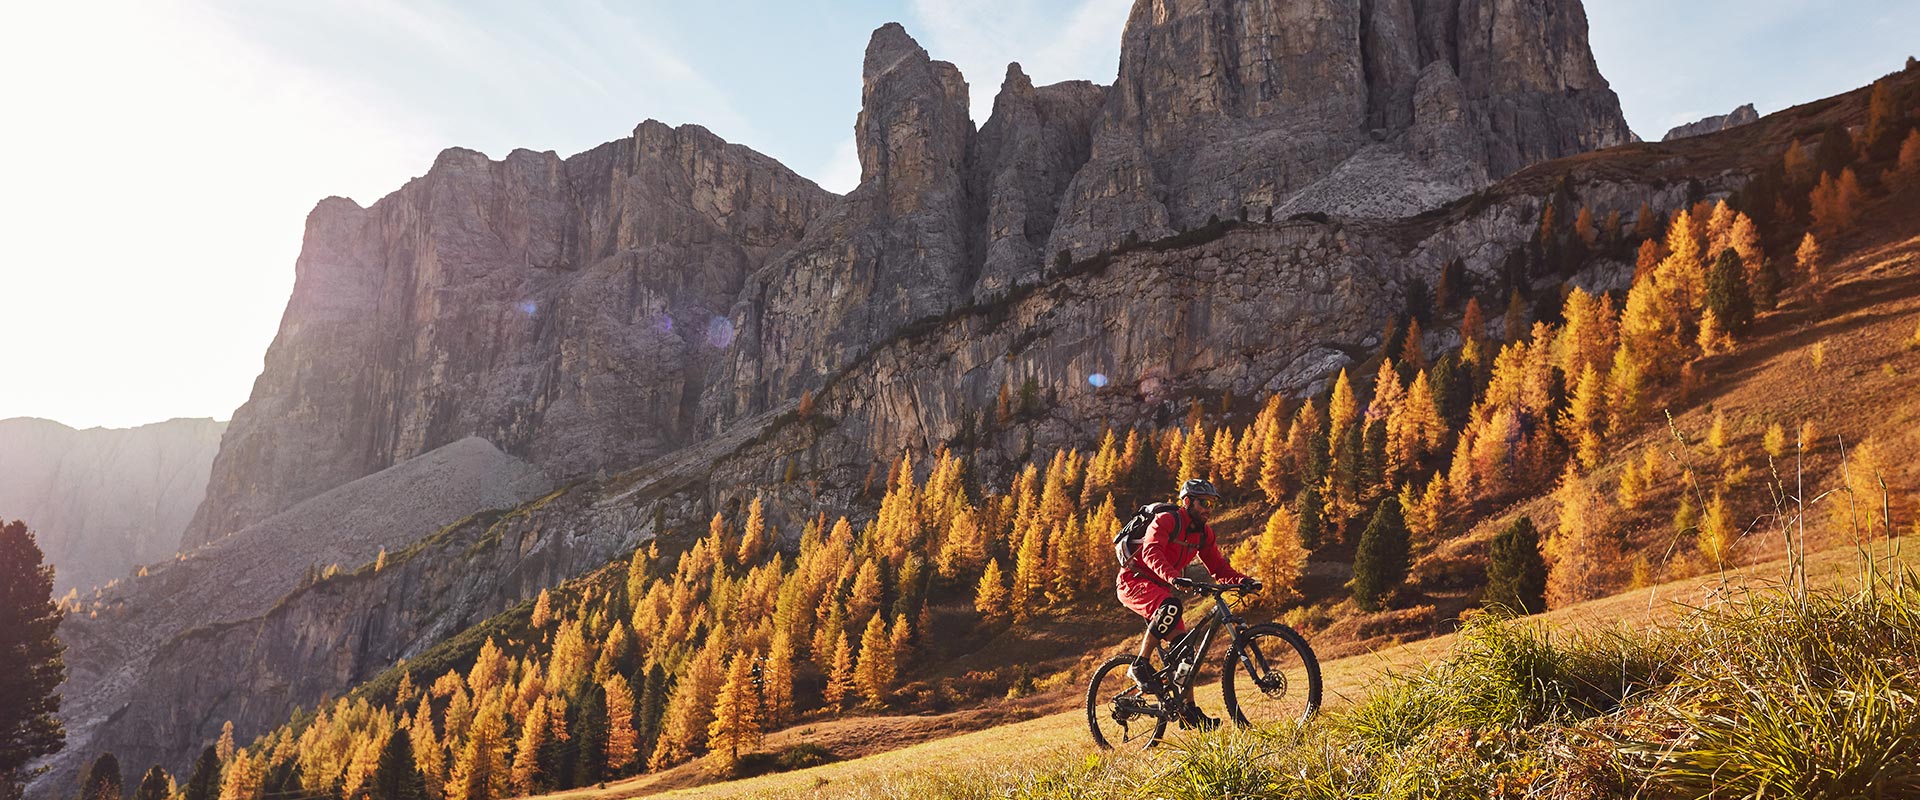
x=1271, y=676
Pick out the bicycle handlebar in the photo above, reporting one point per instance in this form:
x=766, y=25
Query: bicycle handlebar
x=1243, y=587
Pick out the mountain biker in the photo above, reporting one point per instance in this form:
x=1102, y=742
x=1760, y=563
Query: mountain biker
x=1148, y=586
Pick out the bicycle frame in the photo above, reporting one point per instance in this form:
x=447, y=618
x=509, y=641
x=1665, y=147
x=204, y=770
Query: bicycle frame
x=1220, y=614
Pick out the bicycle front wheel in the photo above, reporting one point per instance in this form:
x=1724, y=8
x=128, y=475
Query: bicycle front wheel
x=1119, y=714
x=1271, y=677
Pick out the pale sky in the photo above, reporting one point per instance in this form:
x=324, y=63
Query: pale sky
x=165, y=152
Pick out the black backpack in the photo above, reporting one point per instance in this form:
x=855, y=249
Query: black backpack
x=1126, y=543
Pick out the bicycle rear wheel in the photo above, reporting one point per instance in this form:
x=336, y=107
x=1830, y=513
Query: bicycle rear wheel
x=1118, y=713
x=1271, y=677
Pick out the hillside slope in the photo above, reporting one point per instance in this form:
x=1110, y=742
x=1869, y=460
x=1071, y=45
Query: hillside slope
x=1842, y=360
x=1002, y=750
x=649, y=641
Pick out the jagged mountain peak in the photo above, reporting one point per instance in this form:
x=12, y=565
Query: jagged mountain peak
x=593, y=313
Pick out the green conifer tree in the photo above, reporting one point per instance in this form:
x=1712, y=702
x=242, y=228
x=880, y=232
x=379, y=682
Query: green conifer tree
x=1380, y=560
x=31, y=668
x=653, y=705
x=1516, y=572
x=396, y=776
x=204, y=784
x=1727, y=292
x=589, y=728
x=155, y=785
x=102, y=781
x=1313, y=520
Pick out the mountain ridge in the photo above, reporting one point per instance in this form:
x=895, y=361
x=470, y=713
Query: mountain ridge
x=597, y=315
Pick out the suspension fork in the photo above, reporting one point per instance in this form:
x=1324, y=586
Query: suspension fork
x=1248, y=656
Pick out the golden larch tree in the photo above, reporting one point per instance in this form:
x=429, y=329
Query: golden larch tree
x=1193, y=455
x=1909, y=163
x=736, y=715
x=874, y=671
x=777, y=683
x=991, y=597
x=1585, y=416
x=489, y=669
x=1649, y=328
x=223, y=748
x=962, y=552
x=1683, y=273
x=865, y=597
x=1343, y=409
x=683, y=727
x=840, y=683
x=1808, y=258
x=720, y=538
x=1775, y=440
x=1415, y=429
x=621, y=736
x=480, y=773
x=1276, y=461
x=1473, y=323
x=245, y=774
x=1246, y=456
x=1281, y=560
x=900, y=639
x=1745, y=241
x=1834, y=201
x=1413, y=347
x=543, y=609
x=1796, y=163
x=755, y=543
x=1588, y=335
x=1646, y=224
x=1717, y=533
x=1881, y=116
x=1646, y=259
x=428, y=755
x=536, y=733
x=1578, y=551
x=1220, y=460
x=1029, y=565
x=1065, y=569
x=1387, y=393
x=1719, y=229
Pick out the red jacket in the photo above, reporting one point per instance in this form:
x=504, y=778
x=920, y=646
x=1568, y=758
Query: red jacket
x=1165, y=551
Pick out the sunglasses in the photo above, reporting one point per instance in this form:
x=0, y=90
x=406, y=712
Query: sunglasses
x=1205, y=502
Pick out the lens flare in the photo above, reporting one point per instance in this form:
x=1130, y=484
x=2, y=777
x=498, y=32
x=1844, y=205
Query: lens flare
x=527, y=307
x=719, y=332
x=1097, y=380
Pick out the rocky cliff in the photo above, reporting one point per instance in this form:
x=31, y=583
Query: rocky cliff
x=1714, y=124
x=104, y=501
x=1223, y=109
x=1371, y=108
x=594, y=312
x=568, y=310
x=647, y=314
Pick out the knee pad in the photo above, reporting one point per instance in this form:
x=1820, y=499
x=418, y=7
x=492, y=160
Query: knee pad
x=1165, y=619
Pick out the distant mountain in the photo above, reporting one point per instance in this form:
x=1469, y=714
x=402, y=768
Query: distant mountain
x=104, y=500
x=1713, y=124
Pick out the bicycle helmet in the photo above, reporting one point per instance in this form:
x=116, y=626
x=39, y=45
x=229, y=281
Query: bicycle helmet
x=1198, y=487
